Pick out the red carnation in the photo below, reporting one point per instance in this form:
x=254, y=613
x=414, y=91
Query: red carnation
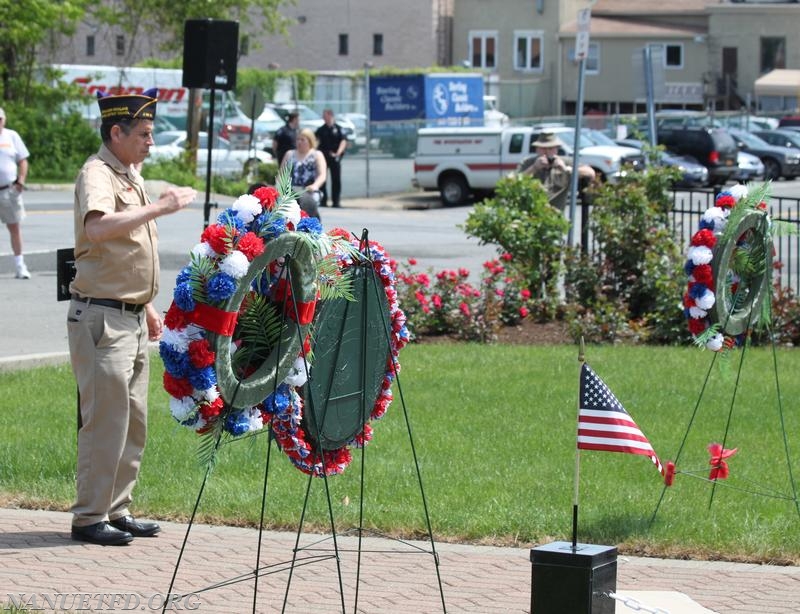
x=688, y=301
x=177, y=387
x=704, y=237
x=251, y=245
x=200, y=354
x=696, y=325
x=703, y=274
x=267, y=196
x=175, y=318
x=209, y=411
x=218, y=238
x=725, y=201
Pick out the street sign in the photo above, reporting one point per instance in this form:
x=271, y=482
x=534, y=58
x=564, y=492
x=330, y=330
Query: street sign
x=582, y=38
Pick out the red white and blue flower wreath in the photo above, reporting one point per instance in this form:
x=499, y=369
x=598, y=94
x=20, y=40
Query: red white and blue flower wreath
x=215, y=275
x=286, y=426
x=737, y=220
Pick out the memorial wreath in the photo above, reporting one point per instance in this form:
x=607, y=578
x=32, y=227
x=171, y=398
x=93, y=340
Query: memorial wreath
x=237, y=341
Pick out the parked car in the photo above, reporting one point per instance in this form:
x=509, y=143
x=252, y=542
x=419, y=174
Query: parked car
x=781, y=137
x=609, y=160
x=359, y=141
x=790, y=121
x=309, y=118
x=225, y=160
x=693, y=174
x=714, y=148
x=266, y=125
x=751, y=122
x=750, y=167
x=778, y=161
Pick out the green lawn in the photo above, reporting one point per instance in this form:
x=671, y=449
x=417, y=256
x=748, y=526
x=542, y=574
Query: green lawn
x=494, y=429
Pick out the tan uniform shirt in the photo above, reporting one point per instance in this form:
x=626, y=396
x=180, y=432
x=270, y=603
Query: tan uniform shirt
x=123, y=268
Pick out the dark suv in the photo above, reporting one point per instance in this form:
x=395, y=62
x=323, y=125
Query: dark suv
x=714, y=148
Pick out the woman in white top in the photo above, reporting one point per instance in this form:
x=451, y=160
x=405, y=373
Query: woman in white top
x=309, y=171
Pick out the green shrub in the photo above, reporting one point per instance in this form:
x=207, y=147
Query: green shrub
x=635, y=275
x=520, y=221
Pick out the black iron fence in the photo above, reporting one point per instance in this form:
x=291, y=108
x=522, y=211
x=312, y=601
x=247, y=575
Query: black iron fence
x=688, y=207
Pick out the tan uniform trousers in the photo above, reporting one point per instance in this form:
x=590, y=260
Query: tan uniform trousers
x=109, y=354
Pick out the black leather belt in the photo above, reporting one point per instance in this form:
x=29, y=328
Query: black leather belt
x=109, y=302
x=5, y=187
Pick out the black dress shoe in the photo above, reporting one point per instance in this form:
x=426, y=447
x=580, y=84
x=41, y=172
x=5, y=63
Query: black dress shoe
x=137, y=528
x=102, y=534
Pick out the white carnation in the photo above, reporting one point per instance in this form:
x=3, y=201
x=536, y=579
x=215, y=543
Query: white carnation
x=700, y=254
x=715, y=343
x=706, y=301
x=697, y=313
x=247, y=207
x=203, y=250
x=297, y=374
x=177, y=340
x=291, y=211
x=235, y=264
x=255, y=421
x=738, y=191
x=210, y=394
x=181, y=409
x=717, y=217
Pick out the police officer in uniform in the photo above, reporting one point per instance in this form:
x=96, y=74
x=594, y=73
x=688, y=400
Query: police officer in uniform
x=111, y=317
x=332, y=143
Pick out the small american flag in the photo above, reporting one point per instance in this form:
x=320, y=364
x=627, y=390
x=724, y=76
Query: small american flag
x=603, y=424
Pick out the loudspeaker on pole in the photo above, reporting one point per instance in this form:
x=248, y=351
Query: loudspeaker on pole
x=210, y=53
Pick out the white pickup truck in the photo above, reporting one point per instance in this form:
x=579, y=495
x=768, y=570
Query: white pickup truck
x=460, y=161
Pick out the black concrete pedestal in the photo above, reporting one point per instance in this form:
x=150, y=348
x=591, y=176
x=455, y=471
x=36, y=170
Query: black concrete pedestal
x=572, y=581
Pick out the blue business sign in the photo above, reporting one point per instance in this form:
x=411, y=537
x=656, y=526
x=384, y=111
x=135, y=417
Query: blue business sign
x=440, y=99
x=454, y=99
x=397, y=98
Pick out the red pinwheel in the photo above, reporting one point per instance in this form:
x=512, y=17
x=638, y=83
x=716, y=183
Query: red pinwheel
x=719, y=468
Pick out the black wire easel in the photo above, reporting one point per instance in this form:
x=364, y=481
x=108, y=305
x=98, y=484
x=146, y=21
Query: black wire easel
x=319, y=551
x=761, y=490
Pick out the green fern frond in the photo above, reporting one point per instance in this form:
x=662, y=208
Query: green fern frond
x=784, y=229
x=210, y=442
x=258, y=328
x=704, y=337
x=332, y=284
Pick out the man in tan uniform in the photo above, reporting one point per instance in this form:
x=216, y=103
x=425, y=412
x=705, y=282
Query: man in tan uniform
x=111, y=317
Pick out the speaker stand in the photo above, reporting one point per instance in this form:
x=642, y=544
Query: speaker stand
x=207, y=204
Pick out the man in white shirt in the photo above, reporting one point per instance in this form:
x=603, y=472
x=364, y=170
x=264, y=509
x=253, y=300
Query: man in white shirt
x=13, y=172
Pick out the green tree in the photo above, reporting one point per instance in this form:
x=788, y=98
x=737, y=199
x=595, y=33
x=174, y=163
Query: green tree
x=165, y=18
x=23, y=26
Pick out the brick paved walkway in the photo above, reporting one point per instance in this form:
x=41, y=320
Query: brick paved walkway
x=38, y=557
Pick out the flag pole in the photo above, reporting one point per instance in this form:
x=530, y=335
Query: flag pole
x=581, y=360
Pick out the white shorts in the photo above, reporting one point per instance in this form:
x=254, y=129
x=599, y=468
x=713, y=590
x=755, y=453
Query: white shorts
x=12, y=209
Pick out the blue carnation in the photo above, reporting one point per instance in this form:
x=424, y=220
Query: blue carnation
x=688, y=267
x=184, y=276
x=176, y=363
x=706, y=224
x=278, y=401
x=237, y=423
x=697, y=290
x=310, y=224
x=273, y=228
x=184, y=297
x=229, y=218
x=202, y=379
x=220, y=287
